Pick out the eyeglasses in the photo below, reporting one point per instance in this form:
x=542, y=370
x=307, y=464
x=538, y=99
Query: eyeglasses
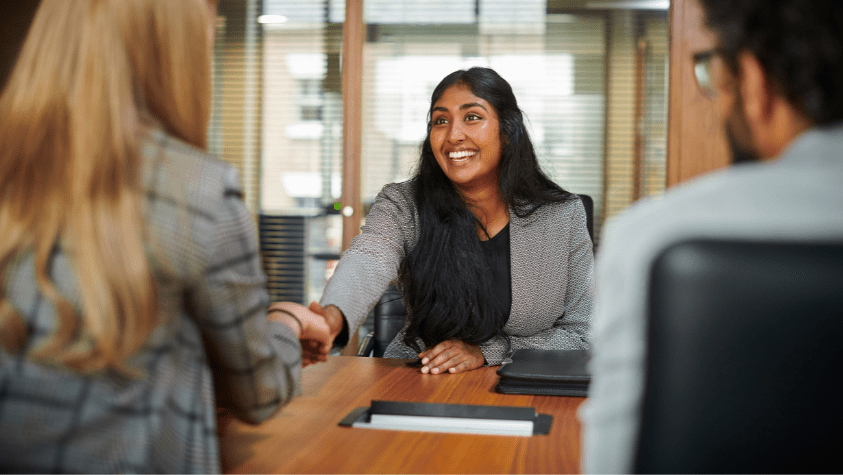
x=702, y=71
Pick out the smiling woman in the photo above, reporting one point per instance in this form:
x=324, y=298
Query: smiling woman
x=465, y=139
x=490, y=254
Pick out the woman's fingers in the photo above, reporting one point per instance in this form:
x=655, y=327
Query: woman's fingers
x=451, y=362
x=432, y=353
x=467, y=365
x=451, y=356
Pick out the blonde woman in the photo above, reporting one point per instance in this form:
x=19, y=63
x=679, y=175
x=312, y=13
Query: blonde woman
x=131, y=285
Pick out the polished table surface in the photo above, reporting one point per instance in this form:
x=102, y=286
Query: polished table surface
x=304, y=437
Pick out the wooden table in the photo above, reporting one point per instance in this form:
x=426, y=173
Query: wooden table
x=304, y=436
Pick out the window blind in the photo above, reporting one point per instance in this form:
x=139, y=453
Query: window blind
x=590, y=77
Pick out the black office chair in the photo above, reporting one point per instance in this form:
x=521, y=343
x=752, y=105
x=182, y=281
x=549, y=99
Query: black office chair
x=389, y=318
x=744, y=368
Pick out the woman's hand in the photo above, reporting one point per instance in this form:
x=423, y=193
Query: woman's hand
x=332, y=315
x=311, y=328
x=451, y=356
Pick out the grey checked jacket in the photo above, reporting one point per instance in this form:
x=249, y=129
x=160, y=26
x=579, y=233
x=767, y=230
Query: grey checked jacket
x=551, y=263
x=213, y=334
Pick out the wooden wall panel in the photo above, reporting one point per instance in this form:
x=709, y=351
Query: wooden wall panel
x=354, y=31
x=696, y=142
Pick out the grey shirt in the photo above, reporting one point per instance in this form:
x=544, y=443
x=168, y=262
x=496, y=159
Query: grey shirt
x=551, y=262
x=798, y=197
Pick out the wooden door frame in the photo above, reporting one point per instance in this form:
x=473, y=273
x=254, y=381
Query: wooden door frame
x=353, y=32
x=696, y=140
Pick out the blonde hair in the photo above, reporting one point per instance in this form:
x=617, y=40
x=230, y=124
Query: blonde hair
x=91, y=77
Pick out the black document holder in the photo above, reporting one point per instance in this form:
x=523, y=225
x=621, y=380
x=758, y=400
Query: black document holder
x=546, y=373
x=541, y=422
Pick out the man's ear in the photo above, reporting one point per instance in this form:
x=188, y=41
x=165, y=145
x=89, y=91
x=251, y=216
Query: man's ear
x=756, y=90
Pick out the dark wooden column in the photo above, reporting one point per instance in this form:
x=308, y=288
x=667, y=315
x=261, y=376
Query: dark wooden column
x=696, y=142
x=352, y=96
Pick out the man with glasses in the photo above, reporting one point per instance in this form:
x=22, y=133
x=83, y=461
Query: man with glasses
x=776, y=77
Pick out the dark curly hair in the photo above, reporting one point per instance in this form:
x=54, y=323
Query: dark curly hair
x=445, y=278
x=799, y=43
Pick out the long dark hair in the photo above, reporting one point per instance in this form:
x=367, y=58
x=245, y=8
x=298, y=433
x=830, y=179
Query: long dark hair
x=445, y=278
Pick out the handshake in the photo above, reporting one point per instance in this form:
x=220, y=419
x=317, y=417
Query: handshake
x=314, y=326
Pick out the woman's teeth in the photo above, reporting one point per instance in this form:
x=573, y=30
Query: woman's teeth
x=461, y=155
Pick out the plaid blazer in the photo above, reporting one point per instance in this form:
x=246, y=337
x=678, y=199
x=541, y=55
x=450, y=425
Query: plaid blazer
x=551, y=261
x=213, y=335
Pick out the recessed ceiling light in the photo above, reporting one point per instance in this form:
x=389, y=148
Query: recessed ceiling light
x=272, y=19
x=630, y=5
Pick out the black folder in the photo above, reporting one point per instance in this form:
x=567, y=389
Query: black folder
x=546, y=373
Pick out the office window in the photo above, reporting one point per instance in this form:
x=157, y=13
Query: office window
x=590, y=76
x=278, y=117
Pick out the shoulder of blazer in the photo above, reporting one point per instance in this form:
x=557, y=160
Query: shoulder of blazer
x=177, y=172
x=402, y=197
x=548, y=211
x=400, y=193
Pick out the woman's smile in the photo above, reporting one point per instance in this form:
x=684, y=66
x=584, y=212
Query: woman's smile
x=462, y=156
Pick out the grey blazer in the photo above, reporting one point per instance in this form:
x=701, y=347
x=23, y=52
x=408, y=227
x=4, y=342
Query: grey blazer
x=213, y=334
x=552, y=273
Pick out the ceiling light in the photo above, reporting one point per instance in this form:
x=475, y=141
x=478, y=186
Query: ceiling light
x=272, y=19
x=630, y=5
